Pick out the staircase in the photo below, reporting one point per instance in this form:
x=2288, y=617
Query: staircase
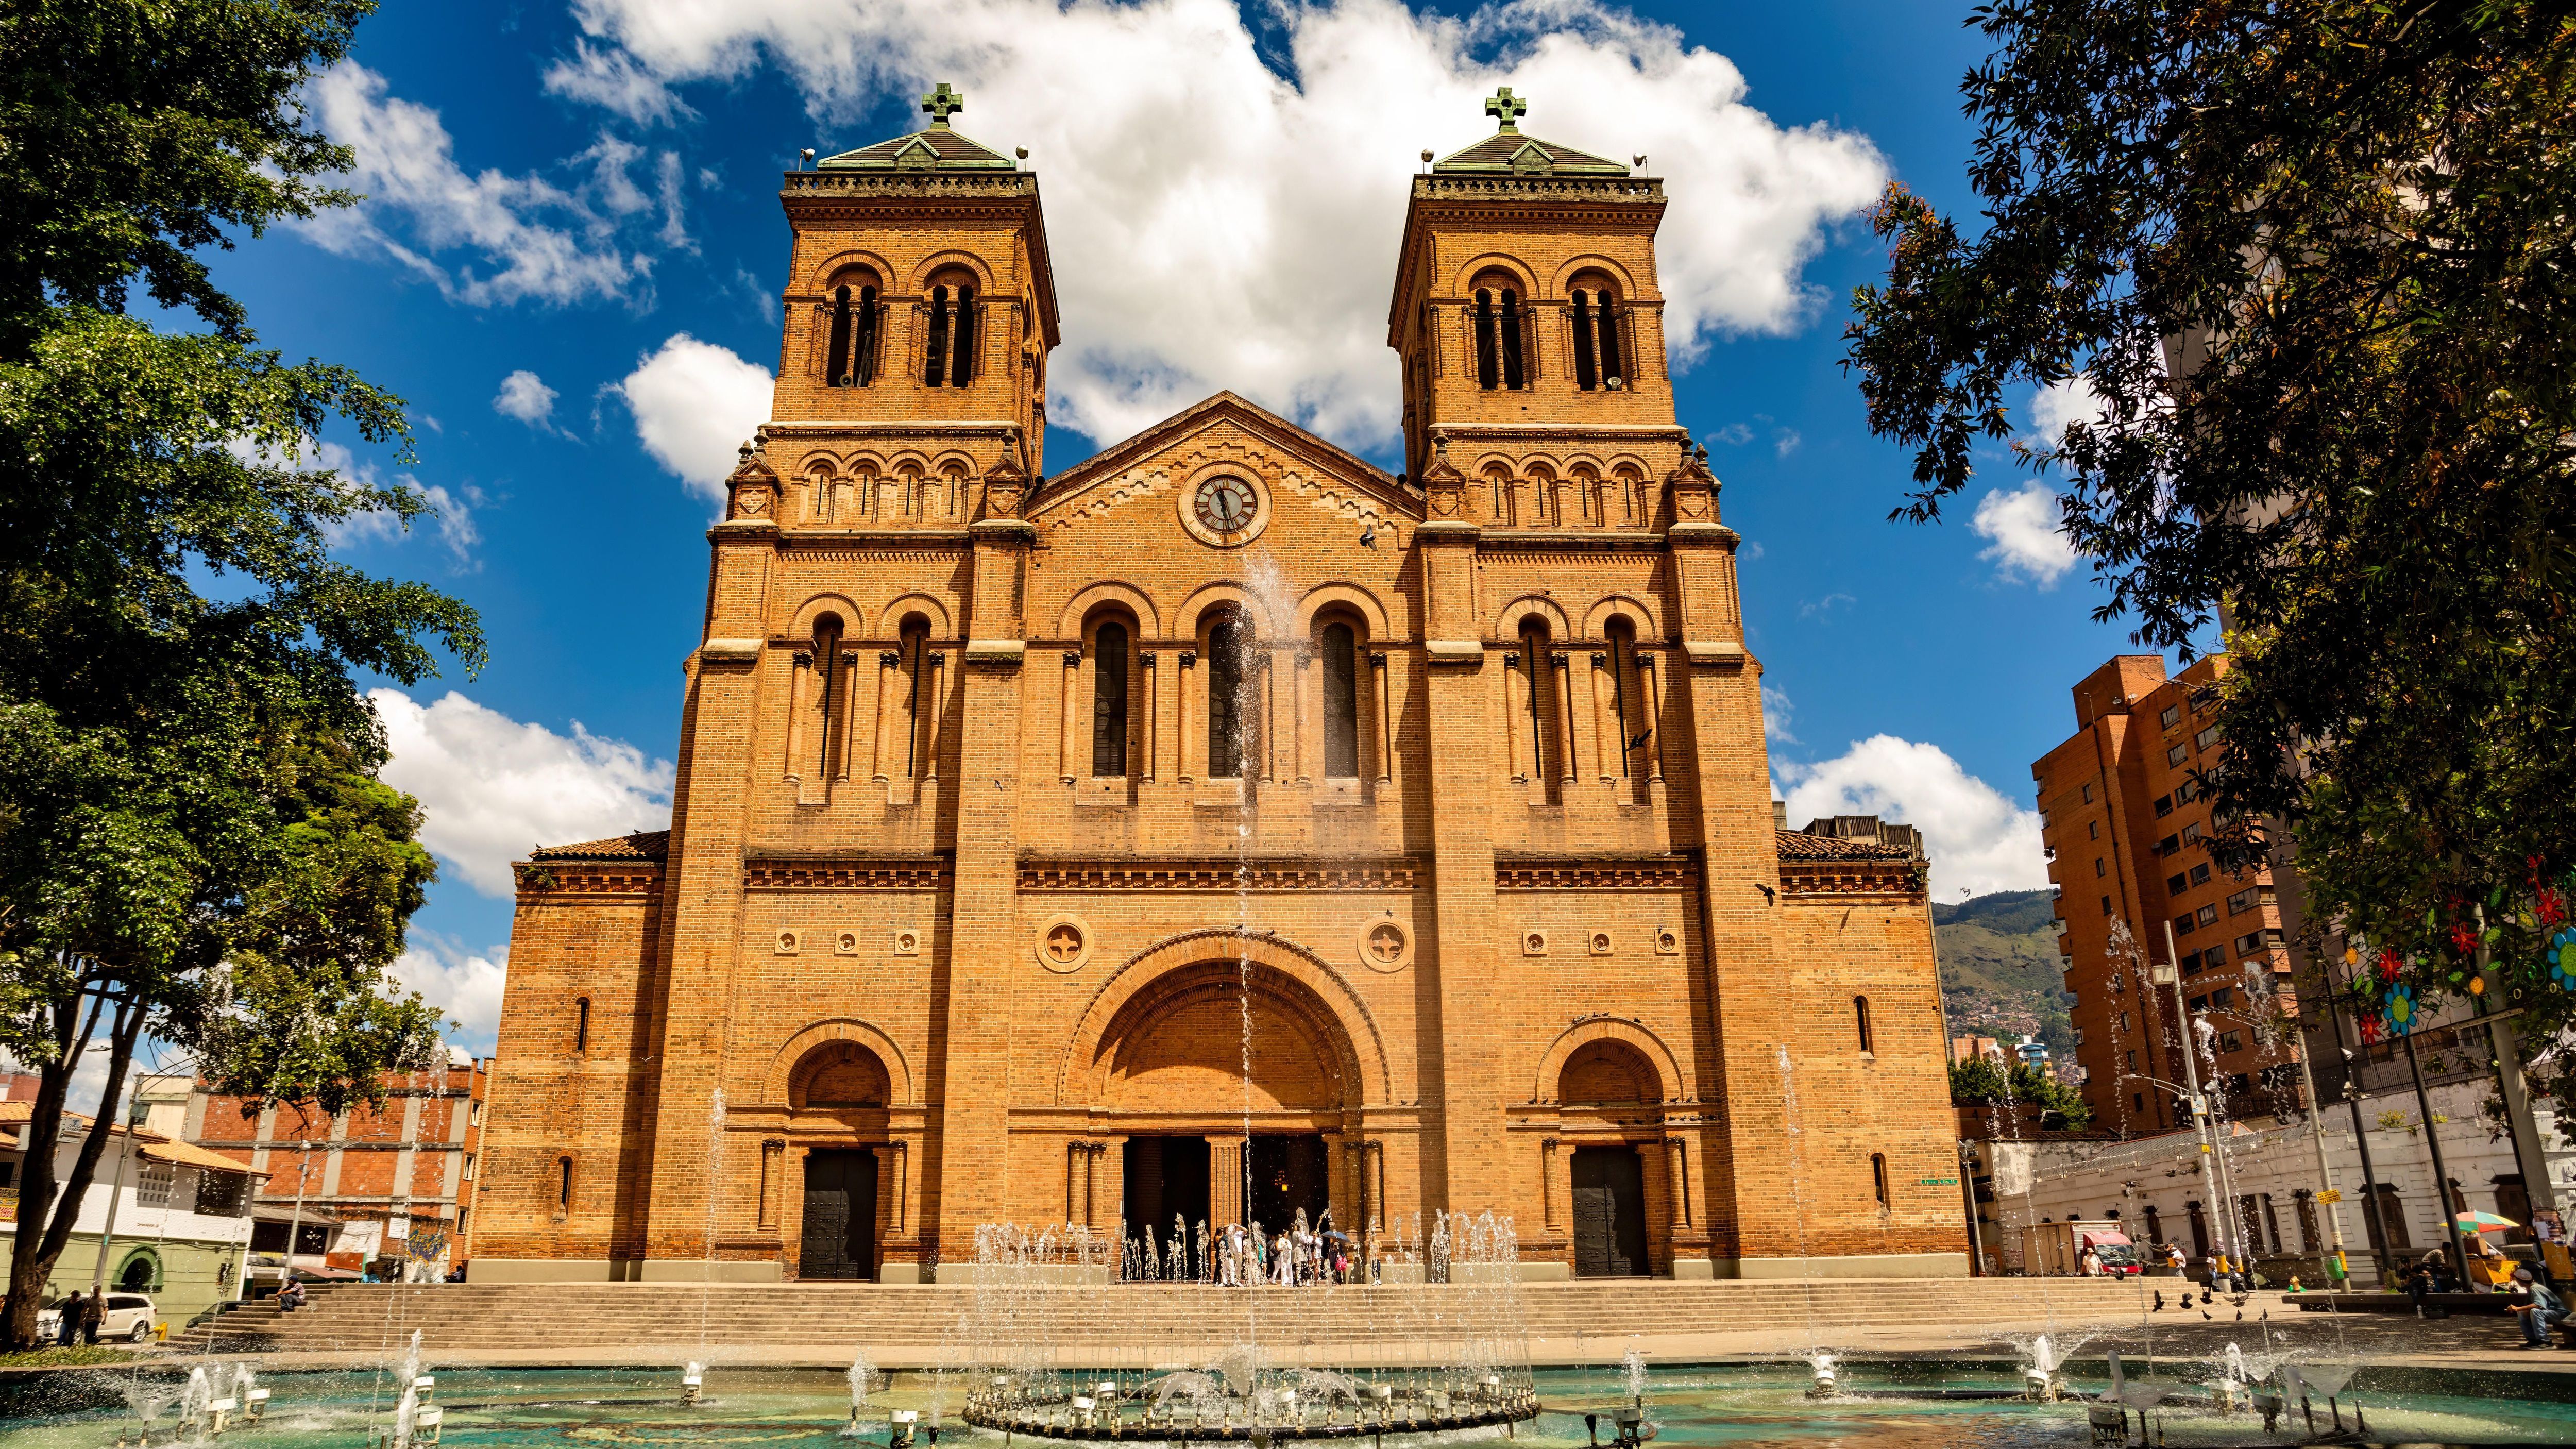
x=608, y=1323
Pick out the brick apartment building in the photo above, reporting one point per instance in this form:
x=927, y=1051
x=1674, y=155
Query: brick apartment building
x=374, y=1183
x=1222, y=827
x=2125, y=827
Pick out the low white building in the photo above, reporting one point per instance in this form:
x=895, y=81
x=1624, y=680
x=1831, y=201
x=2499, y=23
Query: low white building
x=2159, y=1187
x=174, y=1218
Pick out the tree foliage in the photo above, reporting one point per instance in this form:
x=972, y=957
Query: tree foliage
x=194, y=846
x=1989, y=1079
x=2311, y=267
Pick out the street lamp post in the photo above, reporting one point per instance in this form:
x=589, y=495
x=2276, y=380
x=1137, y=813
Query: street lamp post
x=2167, y=973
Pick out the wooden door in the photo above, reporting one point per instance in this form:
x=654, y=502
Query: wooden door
x=840, y=1239
x=1609, y=1213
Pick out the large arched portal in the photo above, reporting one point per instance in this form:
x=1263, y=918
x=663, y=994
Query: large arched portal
x=1227, y=1084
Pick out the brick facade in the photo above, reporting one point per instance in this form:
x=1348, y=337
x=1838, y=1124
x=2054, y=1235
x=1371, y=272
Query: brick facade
x=2123, y=817
x=958, y=873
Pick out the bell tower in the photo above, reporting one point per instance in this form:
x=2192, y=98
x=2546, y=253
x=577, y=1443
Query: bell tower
x=919, y=312
x=1526, y=300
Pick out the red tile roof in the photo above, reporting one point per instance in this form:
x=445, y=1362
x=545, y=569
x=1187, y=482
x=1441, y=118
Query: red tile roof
x=642, y=845
x=1799, y=845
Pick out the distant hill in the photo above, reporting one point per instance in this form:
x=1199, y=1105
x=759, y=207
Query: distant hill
x=1999, y=968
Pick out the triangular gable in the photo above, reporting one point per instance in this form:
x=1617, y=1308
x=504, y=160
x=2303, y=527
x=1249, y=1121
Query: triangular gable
x=1533, y=157
x=1104, y=469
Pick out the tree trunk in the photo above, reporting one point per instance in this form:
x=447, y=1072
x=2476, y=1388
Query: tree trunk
x=42, y=1235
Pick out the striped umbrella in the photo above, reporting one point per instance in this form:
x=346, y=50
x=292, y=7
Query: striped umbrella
x=2484, y=1223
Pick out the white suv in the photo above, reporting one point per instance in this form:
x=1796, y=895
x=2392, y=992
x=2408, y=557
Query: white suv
x=129, y=1316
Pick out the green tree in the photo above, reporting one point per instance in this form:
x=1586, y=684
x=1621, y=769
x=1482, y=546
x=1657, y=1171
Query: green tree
x=194, y=846
x=1988, y=1079
x=2310, y=259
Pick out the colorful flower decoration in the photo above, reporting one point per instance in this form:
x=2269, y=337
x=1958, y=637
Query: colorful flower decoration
x=2399, y=1010
x=2464, y=937
x=2552, y=906
x=2389, y=965
x=2562, y=959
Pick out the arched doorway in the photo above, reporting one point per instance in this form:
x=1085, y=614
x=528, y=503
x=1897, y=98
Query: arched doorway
x=838, y=1227
x=1227, y=1082
x=1609, y=1080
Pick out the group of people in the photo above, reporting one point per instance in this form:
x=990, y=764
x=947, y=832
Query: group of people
x=1297, y=1257
x=1240, y=1256
x=80, y=1318
x=2535, y=1304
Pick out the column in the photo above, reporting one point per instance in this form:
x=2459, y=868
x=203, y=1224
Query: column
x=773, y=1160
x=1185, y=750
x=937, y=663
x=1269, y=724
x=889, y=669
x=1064, y=757
x=1225, y=1181
x=1547, y=1184
x=1308, y=683
x=1609, y=737
x=1074, y=1153
x=1564, y=711
x=1516, y=758
x=849, y=745
x=1652, y=680
x=795, y=772
x=1385, y=720
x=1677, y=1167
x=1153, y=691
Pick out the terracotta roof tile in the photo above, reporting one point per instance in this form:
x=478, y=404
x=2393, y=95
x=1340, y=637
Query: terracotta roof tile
x=938, y=148
x=1799, y=845
x=1512, y=151
x=641, y=845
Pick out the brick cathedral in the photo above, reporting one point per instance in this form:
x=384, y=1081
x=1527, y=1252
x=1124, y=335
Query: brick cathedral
x=1221, y=826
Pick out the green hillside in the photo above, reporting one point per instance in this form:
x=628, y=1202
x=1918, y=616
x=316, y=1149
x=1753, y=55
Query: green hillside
x=1999, y=968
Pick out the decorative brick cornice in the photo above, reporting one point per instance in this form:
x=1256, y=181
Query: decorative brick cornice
x=1882, y=879
x=1557, y=873
x=623, y=882
x=875, y=873
x=1215, y=873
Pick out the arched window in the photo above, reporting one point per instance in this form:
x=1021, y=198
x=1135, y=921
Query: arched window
x=1228, y=675
x=1489, y=371
x=831, y=683
x=1534, y=650
x=1513, y=323
x=934, y=360
x=1340, y=648
x=1608, y=319
x=1625, y=697
x=915, y=646
x=1860, y=1025
x=1586, y=376
x=1878, y=1179
x=1109, y=700
x=563, y=1184
x=836, y=364
x=581, y=1025
x=961, y=370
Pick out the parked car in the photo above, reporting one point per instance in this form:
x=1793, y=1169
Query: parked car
x=129, y=1316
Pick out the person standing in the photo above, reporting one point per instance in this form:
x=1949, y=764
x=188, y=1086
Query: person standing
x=67, y=1327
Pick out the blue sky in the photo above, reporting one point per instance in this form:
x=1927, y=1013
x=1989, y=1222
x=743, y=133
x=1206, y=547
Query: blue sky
x=561, y=191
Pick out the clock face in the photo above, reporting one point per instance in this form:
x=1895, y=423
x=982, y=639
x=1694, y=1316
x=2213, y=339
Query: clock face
x=1225, y=505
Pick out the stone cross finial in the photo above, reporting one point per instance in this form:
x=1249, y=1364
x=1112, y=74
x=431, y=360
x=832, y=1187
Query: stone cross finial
x=940, y=102
x=1507, y=108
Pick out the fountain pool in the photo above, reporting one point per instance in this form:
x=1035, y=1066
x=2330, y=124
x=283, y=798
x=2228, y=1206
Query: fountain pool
x=1877, y=1402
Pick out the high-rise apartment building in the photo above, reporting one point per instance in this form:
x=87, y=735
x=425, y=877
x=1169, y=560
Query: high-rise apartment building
x=2124, y=818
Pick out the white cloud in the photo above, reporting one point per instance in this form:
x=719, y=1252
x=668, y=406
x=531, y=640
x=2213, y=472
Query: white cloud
x=1734, y=435
x=2052, y=408
x=1215, y=225
x=1776, y=710
x=1977, y=837
x=526, y=397
x=533, y=240
x=490, y=788
x=1824, y=608
x=1785, y=441
x=695, y=405
x=2025, y=543
x=463, y=986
